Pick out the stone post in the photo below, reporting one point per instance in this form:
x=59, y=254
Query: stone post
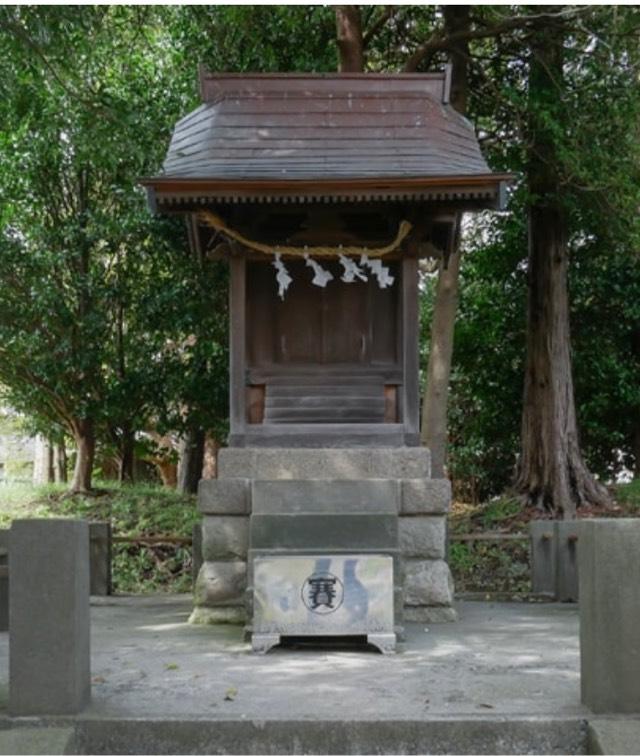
x=49, y=664
x=196, y=551
x=542, y=534
x=567, y=588
x=609, y=574
x=100, y=558
x=4, y=580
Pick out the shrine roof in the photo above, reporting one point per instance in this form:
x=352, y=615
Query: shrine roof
x=357, y=136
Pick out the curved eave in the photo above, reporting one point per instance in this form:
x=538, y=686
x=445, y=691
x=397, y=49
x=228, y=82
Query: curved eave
x=170, y=193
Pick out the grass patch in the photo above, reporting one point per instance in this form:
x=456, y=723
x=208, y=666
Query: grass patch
x=628, y=497
x=504, y=566
x=499, y=567
x=132, y=510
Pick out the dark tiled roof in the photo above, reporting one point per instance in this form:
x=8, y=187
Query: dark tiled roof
x=337, y=127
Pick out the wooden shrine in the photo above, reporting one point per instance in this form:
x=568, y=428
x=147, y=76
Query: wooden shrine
x=323, y=192
x=335, y=185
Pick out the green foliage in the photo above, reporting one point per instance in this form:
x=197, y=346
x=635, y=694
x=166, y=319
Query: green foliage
x=104, y=314
x=594, y=128
x=628, y=496
x=482, y=566
x=136, y=510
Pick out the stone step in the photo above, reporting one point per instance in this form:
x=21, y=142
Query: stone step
x=232, y=496
x=289, y=497
x=37, y=740
x=324, y=532
x=350, y=733
x=337, y=464
x=607, y=737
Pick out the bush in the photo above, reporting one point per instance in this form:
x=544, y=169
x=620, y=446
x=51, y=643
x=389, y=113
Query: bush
x=132, y=510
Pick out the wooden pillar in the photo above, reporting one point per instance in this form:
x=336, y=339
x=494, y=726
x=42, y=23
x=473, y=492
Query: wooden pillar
x=410, y=356
x=237, y=350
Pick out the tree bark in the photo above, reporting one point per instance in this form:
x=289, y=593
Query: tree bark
x=349, y=38
x=126, y=456
x=168, y=472
x=42, y=461
x=436, y=396
x=635, y=440
x=551, y=473
x=211, y=449
x=60, y=463
x=636, y=452
x=84, y=436
x=191, y=461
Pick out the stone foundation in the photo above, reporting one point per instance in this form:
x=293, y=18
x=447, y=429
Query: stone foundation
x=321, y=479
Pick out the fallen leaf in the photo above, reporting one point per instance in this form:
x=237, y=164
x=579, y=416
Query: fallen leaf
x=231, y=694
x=98, y=679
x=171, y=666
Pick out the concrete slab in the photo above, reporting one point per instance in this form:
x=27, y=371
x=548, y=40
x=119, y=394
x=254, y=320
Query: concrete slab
x=37, y=740
x=614, y=736
x=459, y=736
x=507, y=659
x=504, y=679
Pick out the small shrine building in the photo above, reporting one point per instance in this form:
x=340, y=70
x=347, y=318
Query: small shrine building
x=323, y=192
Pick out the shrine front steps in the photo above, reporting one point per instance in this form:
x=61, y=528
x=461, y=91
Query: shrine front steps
x=398, y=476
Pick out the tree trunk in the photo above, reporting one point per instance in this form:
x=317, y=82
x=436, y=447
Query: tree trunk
x=636, y=452
x=551, y=473
x=435, y=403
x=60, y=463
x=436, y=396
x=126, y=458
x=42, y=461
x=191, y=461
x=349, y=38
x=168, y=472
x=84, y=436
x=635, y=439
x=211, y=449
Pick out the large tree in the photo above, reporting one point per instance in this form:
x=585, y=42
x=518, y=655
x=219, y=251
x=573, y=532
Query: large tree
x=434, y=428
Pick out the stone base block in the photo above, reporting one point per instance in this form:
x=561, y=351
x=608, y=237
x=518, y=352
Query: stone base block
x=225, y=537
x=325, y=533
x=344, y=464
x=224, y=497
x=325, y=496
x=425, y=496
x=427, y=583
x=221, y=583
x=430, y=615
x=218, y=615
x=422, y=537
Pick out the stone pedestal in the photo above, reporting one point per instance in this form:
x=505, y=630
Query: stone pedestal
x=379, y=500
x=609, y=572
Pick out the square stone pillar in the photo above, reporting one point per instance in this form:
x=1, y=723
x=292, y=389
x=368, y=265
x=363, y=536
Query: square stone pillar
x=100, y=558
x=609, y=574
x=49, y=662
